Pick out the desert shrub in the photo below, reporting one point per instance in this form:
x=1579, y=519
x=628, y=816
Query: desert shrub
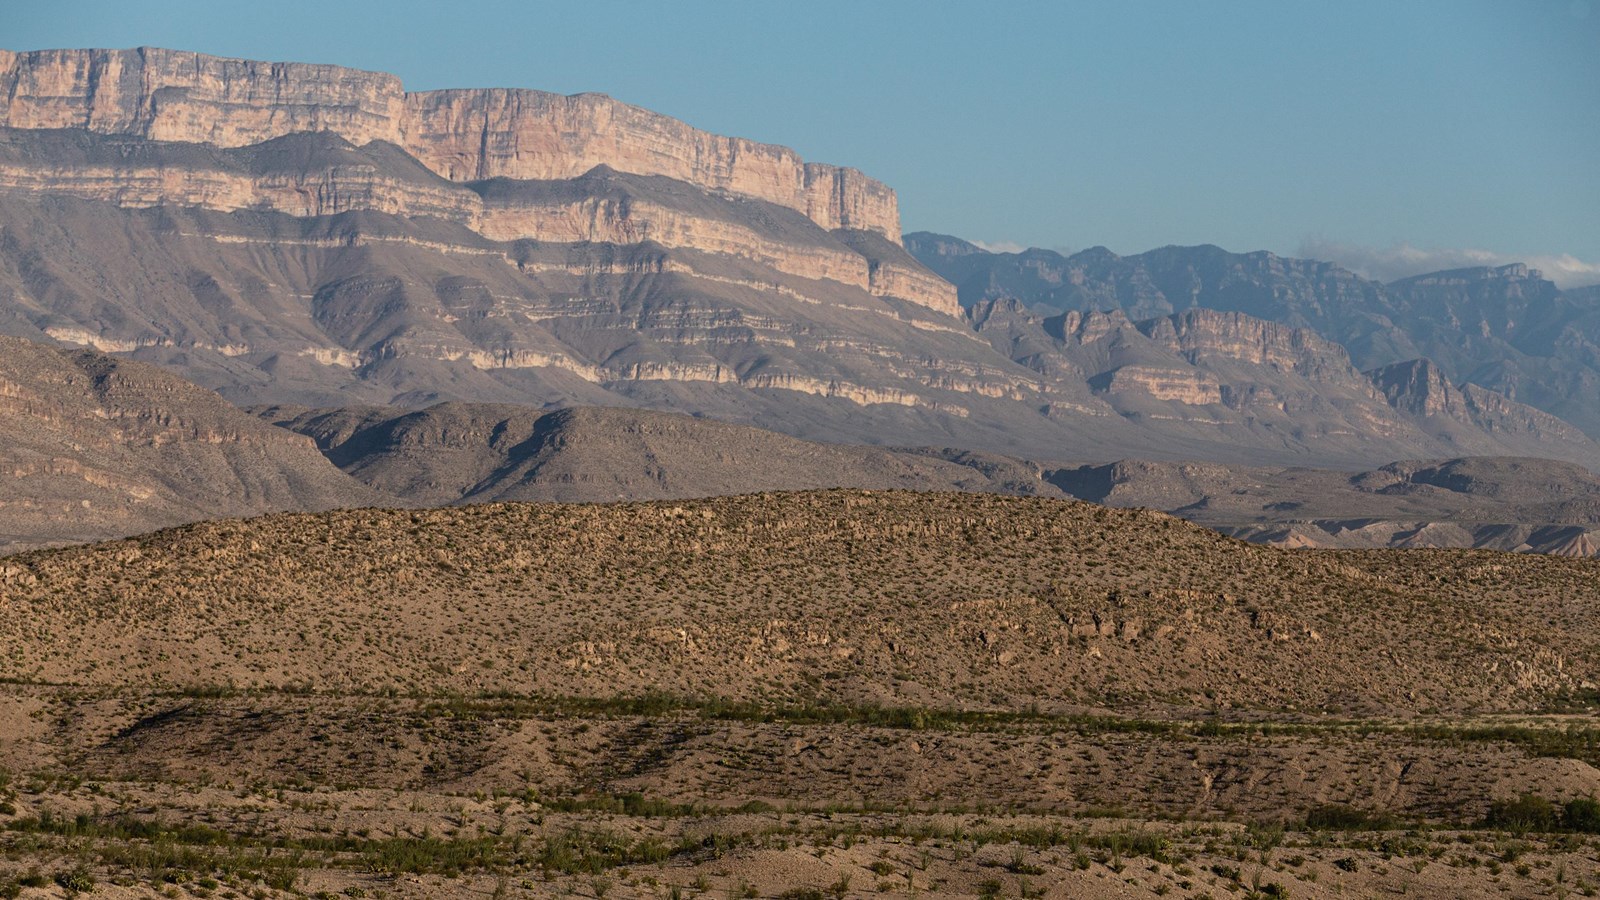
x=415, y=856
x=75, y=881
x=1581, y=814
x=1339, y=817
x=1530, y=812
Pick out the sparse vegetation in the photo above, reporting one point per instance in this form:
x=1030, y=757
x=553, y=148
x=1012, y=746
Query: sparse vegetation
x=672, y=713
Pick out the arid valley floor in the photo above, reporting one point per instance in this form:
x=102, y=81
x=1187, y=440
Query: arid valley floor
x=836, y=693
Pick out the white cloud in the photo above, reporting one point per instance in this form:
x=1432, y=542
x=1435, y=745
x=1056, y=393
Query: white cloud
x=1403, y=260
x=1000, y=246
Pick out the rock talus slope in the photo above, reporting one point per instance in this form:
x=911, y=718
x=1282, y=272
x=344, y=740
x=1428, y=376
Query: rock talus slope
x=92, y=447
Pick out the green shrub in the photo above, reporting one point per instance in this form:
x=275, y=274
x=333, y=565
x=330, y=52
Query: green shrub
x=1581, y=814
x=1339, y=817
x=1530, y=812
x=75, y=881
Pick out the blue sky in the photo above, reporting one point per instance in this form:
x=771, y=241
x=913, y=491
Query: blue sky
x=1390, y=135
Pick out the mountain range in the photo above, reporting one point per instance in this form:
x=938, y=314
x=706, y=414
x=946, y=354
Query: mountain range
x=316, y=236
x=490, y=295
x=1506, y=329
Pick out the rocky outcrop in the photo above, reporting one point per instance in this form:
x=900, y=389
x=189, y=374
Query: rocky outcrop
x=1202, y=335
x=1420, y=388
x=461, y=135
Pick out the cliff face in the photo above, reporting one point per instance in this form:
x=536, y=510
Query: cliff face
x=462, y=135
x=1203, y=335
x=1460, y=415
x=142, y=128
x=320, y=174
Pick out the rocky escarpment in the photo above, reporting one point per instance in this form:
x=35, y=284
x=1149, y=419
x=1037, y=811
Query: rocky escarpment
x=1462, y=414
x=321, y=174
x=461, y=135
x=155, y=127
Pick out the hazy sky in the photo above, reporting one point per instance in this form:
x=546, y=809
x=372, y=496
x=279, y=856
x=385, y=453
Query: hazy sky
x=1389, y=134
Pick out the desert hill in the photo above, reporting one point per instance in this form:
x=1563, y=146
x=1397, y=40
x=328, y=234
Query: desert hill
x=949, y=600
x=791, y=695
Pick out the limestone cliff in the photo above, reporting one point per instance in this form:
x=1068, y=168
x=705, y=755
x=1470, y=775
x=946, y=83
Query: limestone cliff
x=144, y=128
x=462, y=135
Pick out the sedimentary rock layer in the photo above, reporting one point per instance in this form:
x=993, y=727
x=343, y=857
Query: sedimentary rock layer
x=322, y=175
x=462, y=135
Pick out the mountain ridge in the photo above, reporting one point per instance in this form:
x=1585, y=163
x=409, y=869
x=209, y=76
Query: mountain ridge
x=93, y=447
x=1503, y=328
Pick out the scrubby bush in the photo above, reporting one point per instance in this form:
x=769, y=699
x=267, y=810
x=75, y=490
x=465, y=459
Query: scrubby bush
x=1530, y=812
x=1581, y=814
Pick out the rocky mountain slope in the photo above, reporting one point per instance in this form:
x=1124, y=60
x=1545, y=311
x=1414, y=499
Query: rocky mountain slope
x=310, y=235
x=475, y=453
x=92, y=447
x=101, y=447
x=1201, y=375
x=1506, y=329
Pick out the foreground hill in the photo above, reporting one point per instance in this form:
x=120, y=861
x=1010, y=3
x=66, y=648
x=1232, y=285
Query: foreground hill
x=790, y=695
x=939, y=599
x=95, y=447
